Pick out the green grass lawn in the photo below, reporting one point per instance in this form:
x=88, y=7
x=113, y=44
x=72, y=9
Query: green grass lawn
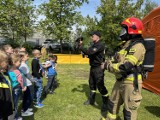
x=67, y=102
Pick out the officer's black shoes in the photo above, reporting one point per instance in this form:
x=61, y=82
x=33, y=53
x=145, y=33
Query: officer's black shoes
x=88, y=102
x=104, y=107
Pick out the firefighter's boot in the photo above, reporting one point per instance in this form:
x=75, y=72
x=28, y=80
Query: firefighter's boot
x=91, y=99
x=104, y=107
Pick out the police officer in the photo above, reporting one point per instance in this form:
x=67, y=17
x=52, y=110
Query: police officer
x=96, y=57
x=127, y=88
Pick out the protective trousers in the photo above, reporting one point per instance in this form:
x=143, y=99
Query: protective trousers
x=124, y=93
x=96, y=80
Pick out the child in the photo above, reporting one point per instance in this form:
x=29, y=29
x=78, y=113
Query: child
x=56, y=58
x=56, y=82
x=22, y=49
x=6, y=108
x=17, y=82
x=51, y=74
x=37, y=72
x=45, y=69
x=8, y=49
x=16, y=50
x=27, y=95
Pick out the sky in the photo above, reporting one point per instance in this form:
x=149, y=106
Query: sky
x=87, y=9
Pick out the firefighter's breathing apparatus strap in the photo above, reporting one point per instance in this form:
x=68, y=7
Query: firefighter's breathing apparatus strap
x=135, y=82
x=135, y=69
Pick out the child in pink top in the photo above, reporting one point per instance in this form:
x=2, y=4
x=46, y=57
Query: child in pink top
x=17, y=82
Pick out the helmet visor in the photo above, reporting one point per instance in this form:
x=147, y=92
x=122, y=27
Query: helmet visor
x=123, y=31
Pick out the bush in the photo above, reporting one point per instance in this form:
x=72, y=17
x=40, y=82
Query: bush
x=29, y=47
x=19, y=43
x=14, y=43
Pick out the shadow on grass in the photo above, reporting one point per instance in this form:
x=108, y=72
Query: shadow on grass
x=56, y=84
x=154, y=110
x=84, y=88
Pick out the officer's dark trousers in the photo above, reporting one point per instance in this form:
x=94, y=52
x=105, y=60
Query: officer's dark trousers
x=96, y=80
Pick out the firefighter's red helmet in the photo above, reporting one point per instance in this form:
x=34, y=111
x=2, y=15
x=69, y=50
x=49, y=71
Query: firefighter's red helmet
x=134, y=25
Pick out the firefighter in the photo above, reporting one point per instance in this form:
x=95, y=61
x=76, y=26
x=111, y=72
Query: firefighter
x=96, y=57
x=128, y=85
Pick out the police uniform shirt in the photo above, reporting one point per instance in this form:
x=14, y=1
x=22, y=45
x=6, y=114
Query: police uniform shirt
x=95, y=53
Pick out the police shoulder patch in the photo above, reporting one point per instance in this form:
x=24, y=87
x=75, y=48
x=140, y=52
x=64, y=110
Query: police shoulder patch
x=94, y=49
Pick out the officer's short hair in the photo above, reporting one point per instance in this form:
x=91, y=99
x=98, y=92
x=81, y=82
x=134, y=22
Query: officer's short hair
x=95, y=33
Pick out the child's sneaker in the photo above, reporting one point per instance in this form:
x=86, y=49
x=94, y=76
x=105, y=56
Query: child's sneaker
x=27, y=113
x=30, y=109
x=51, y=92
x=39, y=105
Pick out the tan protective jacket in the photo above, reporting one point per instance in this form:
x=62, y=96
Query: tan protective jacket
x=135, y=56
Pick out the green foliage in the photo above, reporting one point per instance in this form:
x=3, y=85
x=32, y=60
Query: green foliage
x=60, y=16
x=112, y=13
x=16, y=18
x=28, y=47
x=149, y=6
x=13, y=42
x=18, y=43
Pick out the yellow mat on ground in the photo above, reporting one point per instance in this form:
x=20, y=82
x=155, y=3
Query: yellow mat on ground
x=71, y=59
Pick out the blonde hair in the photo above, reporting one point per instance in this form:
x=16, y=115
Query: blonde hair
x=6, y=47
x=22, y=49
x=3, y=56
x=16, y=50
x=35, y=52
x=14, y=58
x=22, y=54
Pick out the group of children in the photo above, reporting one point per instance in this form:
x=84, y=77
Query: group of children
x=16, y=81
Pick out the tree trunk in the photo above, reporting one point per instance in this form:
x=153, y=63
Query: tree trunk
x=61, y=46
x=25, y=37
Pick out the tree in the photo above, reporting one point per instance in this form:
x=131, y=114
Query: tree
x=90, y=24
x=112, y=13
x=149, y=6
x=16, y=18
x=60, y=16
x=26, y=18
x=7, y=10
